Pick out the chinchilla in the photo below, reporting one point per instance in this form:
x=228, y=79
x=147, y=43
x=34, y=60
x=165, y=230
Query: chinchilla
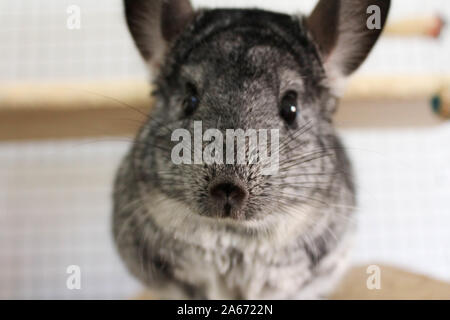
x=219, y=231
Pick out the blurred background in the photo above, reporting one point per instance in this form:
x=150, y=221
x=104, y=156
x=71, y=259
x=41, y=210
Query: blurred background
x=55, y=192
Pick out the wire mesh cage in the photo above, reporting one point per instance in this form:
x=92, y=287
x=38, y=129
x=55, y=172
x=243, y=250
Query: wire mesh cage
x=55, y=195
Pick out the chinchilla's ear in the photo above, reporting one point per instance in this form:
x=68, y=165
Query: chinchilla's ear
x=155, y=23
x=345, y=32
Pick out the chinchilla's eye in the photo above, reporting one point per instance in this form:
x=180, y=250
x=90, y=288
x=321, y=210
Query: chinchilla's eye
x=191, y=101
x=288, y=107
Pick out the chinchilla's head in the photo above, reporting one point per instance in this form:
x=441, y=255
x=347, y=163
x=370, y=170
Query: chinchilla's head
x=251, y=70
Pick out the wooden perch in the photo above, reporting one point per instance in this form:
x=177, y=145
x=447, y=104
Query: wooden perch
x=116, y=108
x=427, y=26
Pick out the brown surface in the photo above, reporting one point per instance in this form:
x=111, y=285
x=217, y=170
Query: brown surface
x=72, y=123
x=396, y=284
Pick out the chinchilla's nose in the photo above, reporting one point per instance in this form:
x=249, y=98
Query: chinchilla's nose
x=228, y=195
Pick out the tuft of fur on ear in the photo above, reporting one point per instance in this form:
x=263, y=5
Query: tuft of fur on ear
x=155, y=23
x=345, y=32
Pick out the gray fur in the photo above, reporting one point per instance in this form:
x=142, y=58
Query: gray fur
x=291, y=238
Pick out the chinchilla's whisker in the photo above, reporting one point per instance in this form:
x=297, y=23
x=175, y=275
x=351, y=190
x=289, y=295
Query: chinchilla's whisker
x=146, y=116
x=125, y=104
x=299, y=162
x=300, y=198
x=297, y=134
x=149, y=144
x=306, y=155
x=330, y=150
x=281, y=206
x=317, y=186
x=307, y=174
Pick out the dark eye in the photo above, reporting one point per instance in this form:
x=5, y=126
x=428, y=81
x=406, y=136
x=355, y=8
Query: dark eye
x=191, y=101
x=288, y=107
